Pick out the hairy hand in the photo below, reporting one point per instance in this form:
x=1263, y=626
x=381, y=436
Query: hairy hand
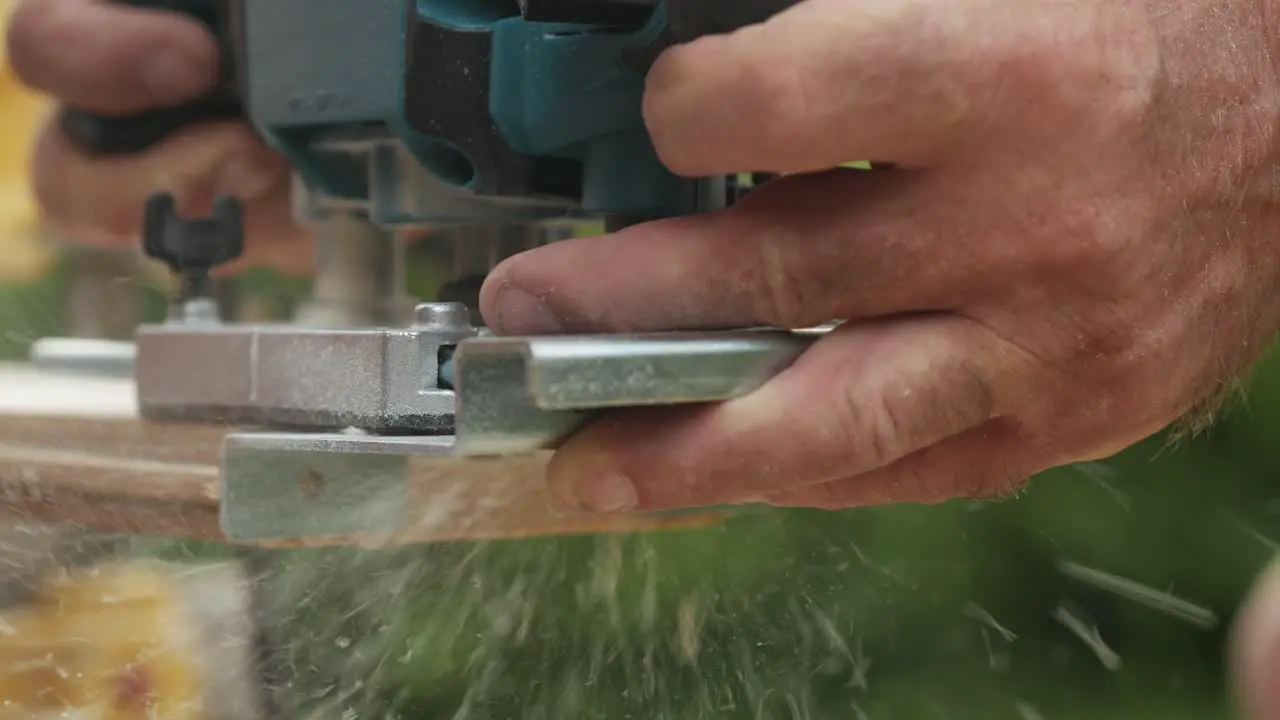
x=1079, y=246
x=114, y=59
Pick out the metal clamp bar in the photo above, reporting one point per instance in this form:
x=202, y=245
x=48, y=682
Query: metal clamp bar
x=522, y=394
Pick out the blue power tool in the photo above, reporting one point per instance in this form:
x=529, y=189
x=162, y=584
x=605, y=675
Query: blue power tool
x=426, y=112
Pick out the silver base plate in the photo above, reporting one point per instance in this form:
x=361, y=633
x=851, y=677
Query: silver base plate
x=486, y=398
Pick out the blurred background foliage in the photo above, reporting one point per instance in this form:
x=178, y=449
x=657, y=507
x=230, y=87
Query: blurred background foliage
x=1103, y=591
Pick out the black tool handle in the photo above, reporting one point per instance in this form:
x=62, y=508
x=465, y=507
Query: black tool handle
x=100, y=135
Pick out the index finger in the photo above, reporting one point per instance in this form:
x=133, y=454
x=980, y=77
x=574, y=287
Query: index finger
x=823, y=83
x=110, y=58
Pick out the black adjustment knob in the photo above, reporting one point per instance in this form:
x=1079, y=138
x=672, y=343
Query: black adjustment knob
x=193, y=247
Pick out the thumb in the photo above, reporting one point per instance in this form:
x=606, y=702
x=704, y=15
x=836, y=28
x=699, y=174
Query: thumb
x=1255, y=653
x=861, y=398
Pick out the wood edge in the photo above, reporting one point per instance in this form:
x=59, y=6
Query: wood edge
x=126, y=475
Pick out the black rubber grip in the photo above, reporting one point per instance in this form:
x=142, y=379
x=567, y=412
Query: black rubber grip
x=100, y=135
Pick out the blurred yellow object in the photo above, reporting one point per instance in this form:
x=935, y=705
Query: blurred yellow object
x=108, y=643
x=24, y=251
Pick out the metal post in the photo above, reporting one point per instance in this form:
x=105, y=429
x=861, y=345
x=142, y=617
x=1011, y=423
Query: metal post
x=359, y=275
x=103, y=302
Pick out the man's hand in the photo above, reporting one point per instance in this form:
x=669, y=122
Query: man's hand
x=114, y=59
x=1079, y=247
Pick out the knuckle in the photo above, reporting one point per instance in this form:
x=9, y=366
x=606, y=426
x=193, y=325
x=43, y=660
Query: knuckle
x=1110, y=350
x=780, y=273
x=1079, y=240
x=872, y=427
x=912, y=408
x=883, y=425
x=1078, y=74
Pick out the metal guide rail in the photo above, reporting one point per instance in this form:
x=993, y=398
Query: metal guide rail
x=343, y=410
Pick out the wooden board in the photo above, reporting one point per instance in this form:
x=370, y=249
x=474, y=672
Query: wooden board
x=74, y=450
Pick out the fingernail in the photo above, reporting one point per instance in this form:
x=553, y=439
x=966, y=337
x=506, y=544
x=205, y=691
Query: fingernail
x=244, y=178
x=520, y=311
x=175, y=75
x=609, y=493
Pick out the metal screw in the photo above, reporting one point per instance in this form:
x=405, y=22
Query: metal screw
x=442, y=317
